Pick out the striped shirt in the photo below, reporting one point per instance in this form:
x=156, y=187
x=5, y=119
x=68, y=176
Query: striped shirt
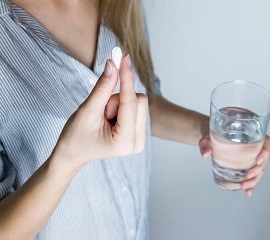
x=41, y=86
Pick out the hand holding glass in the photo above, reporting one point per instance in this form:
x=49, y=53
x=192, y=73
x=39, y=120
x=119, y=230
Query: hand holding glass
x=239, y=119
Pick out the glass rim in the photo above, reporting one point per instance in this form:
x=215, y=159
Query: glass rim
x=240, y=82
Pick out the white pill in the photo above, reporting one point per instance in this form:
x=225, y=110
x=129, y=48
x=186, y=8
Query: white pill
x=117, y=56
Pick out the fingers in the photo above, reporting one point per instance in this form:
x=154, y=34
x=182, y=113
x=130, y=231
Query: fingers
x=249, y=185
x=205, y=148
x=255, y=174
x=127, y=90
x=103, y=89
x=142, y=114
x=254, y=171
x=132, y=111
x=249, y=192
x=263, y=157
x=127, y=112
x=253, y=177
x=112, y=107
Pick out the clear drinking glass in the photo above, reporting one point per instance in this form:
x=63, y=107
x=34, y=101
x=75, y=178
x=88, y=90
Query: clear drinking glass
x=239, y=119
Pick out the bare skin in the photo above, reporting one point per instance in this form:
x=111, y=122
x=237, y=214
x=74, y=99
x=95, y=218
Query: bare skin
x=176, y=123
x=80, y=19
x=88, y=126
x=74, y=24
x=25, y=212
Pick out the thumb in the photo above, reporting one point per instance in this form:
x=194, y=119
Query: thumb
x=205, y=148
x=103, y=89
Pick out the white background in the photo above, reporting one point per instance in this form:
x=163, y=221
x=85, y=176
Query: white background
x=196, y=45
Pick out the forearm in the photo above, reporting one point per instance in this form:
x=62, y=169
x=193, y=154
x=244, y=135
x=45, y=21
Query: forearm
x=176, y=123
x=23, y=213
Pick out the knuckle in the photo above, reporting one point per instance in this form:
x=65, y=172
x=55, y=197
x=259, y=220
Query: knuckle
x=130, y=100
x=134, y=100
x=100, y=88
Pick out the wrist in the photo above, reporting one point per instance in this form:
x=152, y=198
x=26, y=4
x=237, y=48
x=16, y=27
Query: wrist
x=59, y=160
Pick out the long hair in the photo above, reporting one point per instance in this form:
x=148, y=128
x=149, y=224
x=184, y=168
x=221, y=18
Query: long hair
x=125, y=18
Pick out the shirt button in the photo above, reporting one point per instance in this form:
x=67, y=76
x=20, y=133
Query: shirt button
x=124, y=188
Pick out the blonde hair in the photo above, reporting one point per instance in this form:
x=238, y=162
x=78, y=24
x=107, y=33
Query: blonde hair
x=125, y=18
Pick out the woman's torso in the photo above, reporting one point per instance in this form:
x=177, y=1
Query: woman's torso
x=41, y=86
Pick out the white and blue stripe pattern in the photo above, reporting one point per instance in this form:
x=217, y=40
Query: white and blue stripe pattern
x=41, y=86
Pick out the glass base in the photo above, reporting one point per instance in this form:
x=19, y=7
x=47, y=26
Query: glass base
x=227, y=178
x=232, y=186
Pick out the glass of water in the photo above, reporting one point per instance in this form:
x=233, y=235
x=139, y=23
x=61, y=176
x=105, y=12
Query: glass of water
x=239, y=119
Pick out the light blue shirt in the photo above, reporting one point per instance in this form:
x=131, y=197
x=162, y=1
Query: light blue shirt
x=41, y=86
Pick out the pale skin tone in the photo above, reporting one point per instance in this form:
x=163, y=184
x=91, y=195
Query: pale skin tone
x=43, y=191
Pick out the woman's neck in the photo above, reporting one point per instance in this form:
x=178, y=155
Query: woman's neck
x=74, y=24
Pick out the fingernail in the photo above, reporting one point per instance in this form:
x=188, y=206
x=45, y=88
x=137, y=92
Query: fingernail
x=249, y=193
x=108, y=69
x=128, y=61
x=204, y=155
x=260, y=161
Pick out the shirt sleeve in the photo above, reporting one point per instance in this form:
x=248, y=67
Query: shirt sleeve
x=7, y=174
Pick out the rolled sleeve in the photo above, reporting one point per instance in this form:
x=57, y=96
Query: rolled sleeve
x=7, y=174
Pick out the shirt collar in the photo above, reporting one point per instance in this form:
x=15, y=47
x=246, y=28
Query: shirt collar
x=28, y=22
x=4, y=7
x=106, y=39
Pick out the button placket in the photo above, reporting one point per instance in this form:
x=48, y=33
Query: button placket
x=125, y=198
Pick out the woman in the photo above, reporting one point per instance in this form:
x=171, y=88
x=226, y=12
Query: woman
x=76, y=159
